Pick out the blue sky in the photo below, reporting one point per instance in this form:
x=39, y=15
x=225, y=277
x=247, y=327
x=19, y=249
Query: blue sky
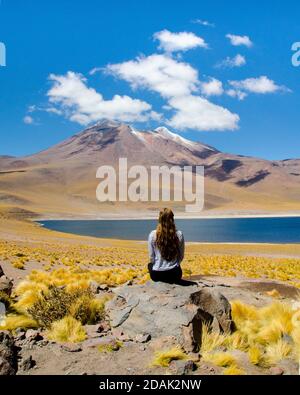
x=249, y=109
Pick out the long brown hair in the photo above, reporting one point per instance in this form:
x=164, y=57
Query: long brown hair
x=166, y=237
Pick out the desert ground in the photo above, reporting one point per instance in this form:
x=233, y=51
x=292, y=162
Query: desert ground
x=261, y=281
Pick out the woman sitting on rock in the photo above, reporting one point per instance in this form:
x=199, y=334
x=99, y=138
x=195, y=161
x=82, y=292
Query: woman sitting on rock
x=166, y=249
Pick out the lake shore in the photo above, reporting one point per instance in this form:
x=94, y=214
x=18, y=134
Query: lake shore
x=31, y=232
x=137, y=216
x=249, y=230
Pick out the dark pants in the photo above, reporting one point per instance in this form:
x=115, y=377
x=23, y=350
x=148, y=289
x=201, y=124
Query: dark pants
x=168, y=276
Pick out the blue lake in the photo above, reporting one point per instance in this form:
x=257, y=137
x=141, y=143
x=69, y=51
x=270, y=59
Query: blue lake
x=234, y=230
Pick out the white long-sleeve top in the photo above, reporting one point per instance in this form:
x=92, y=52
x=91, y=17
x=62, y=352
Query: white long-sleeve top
x=159, y=263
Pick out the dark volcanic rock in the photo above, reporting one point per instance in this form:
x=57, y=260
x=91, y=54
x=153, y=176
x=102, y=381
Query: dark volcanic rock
x=27, y=364
x=163, y=310
x=6, y=285
x=182, y=368
x=8, y=355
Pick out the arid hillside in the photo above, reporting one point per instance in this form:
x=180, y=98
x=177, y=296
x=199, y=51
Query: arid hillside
x=61, y=181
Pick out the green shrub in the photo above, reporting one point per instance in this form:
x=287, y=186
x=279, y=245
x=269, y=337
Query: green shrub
x=57, y=303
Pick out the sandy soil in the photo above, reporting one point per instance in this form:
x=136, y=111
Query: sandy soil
x=135, y=358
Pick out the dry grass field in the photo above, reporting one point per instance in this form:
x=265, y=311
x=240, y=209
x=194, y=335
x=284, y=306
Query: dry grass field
x=38, y=260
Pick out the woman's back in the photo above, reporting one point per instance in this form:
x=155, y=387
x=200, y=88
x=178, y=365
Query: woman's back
x=156, y=258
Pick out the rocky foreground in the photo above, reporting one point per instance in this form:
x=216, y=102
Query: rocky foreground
x=158, y=310
x=140, y=320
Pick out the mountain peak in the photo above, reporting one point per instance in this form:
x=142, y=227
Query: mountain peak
x=165, y=132
x=105, y=124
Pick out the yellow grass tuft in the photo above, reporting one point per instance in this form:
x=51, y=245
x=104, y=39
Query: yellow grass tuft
x=242, y=312
x=222, y=359
x=260, y=332
x=234, y=371
x=27, y=285
x=13, y=321
x=256, y=356
x=280, y=314
x=210, y=340
x=87, y=309
x=110, y=347
x=67, y=330
x=277, y=351
x=269, y=333
x=163, y=358
x=237, y=341
x=19, y=264
x=26, y=301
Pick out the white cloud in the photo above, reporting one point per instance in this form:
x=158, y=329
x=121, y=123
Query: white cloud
x=239, y=40
x=260, y=85
x=158, y=73
x=195, y=112
x=204, y=22
x=84, y=105
x=178, y=83
x=236, y=61
x=53, y=110
x=28, y=120
x=213, y=87
x=182, y=41
x=32, y=108
x=95, y=70
x=236, y=93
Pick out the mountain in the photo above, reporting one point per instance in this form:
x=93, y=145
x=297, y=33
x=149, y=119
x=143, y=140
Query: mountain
x=62, y=179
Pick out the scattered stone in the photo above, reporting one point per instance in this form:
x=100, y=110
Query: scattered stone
x=6, y=285
x=92, y=330
x=93, y=343
x=182, y=367
x=33, y=335
x=120, y=335
x=71, y=347
x=43, y=343
x=169, y=310
x=163, y=343
x=27, y=364
x=8, y=354
x=290, y=367
x=20, y=335
x=109, y=342
x=143, y=338
x=104, y=327
x=28, y=345
x=103, y=287
x=195, y=356
x=19, y=331
x=276, y=371
x=94, y=286
x=287, y=338
x=120, y=316
x=2, y=311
